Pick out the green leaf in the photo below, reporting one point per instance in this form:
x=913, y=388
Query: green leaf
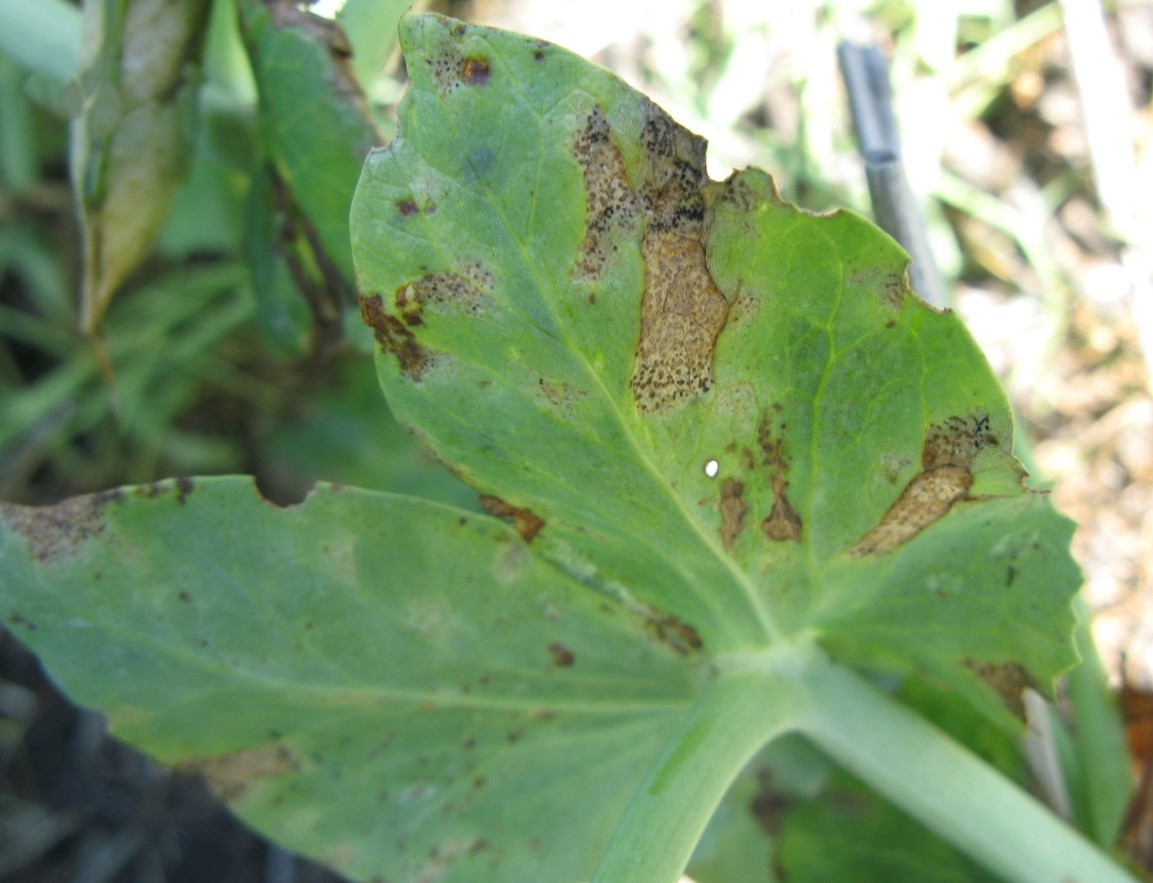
x=399, y=688
x=703, y=399
x=721, y=430
x=43, y=36
x=371, y=28
x=315, y=124
x=849, y=834
x=132, y=134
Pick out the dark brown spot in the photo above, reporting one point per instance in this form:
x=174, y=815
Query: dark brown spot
x=184, y=487
x=476, y=71
x=526, y=522
x=393, y=337
x=562, y=656
x=538, y=55
x=733, y=511
x=407, y=208
x=668, y=629
x=184, y=598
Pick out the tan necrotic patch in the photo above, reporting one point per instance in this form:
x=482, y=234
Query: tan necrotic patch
x=682, y=310
x=611, y=206
x=232, y=775
x=465, y=291
x=947, y=459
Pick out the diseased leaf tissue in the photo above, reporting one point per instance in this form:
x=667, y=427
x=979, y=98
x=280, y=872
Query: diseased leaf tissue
x=701, y=422
x=581, y=321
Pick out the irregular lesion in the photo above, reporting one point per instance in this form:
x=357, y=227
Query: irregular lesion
x=682, y=309
x=947, y=459
x=611, y=206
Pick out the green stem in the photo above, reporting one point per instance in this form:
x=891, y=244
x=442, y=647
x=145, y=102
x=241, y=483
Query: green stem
x=941, y=784
x=731, y=722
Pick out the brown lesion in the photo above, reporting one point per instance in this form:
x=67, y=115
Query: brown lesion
x=394, y=337
x=1009, y=680
x=949, y=453
x=682, y=310
x=465, y=290
x=524, y=521
x=783, y=523
x=733, y=509
x=611, y=206
x=450, y=70
x=475, y=71
x=59, y=531
x=562, y=656
x=682, y=637
x=232, y=775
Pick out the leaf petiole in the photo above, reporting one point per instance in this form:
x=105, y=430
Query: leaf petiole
x=797, y=688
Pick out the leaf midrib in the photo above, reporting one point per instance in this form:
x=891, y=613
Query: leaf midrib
x=771, y=629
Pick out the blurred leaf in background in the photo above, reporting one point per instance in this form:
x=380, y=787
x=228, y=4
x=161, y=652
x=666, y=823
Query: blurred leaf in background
x=132, y=133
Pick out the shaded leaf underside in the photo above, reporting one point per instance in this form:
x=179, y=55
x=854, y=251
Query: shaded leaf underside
x=393, y=726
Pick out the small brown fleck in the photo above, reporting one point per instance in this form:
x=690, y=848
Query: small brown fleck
x=562, y=656
x=476, y=71
x=526, y=522
x=514, y=735
x=184, y=598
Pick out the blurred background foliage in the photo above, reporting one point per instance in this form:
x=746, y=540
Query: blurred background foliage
x=177, y=296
